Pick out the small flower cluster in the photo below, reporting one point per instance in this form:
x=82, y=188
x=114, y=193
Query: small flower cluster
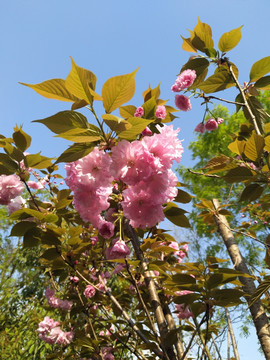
x=50, y=331
x=118, y=250
x=143, y=166
x=11, y=188
x=183, y=311
x=57, y=303
x=210, y=125
x=183, y=81
x=160, y=113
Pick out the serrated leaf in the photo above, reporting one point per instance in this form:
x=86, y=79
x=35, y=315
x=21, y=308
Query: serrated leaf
x=238, y=174
x=267, y=143
x=176, y=215
x=220, y=80
x=258, y=111
x=50, y=254
x=127, y=111
x=115, y=123
x=238, y=146
x=80, y=135
x=37, y=161
x=75, y=152
x=118, y=90
x=80, y=82
x=64, y=121
x=138, y=125
x=215, y=280
x=53, y=89
x=149, y=108
x=263, y=83
x=26, y=213
x=229, y=39
x=254, y=147
x=201, y=36
x=251, y=192
x=259, y=69
x=149, y=93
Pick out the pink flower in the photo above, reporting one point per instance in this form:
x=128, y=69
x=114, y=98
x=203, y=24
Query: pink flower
x=200, y=128
x=161, y=112
x=106, y=353
x=182, y=102
x=211, y=125
x=89, y=291
x=47, y=325
x=139, y=112
x=119, y=268
x=15, y=204
x=10, y=187
x=184, y=80
x=74, y=279
x=119, y=250
x=146, y=132
x=219, y=121
x=106, y=229
x=36, y=185
x=183, y=312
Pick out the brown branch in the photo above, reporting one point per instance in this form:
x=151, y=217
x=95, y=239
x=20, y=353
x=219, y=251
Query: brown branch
x=258, y=314
x=154, y=297
x=231, y=332
x=220, y=99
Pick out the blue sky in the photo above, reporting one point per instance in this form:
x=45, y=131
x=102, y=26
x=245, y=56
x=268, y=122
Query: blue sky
x=113, y=38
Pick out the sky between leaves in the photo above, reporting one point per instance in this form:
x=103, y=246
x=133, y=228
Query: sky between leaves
x=113, y=38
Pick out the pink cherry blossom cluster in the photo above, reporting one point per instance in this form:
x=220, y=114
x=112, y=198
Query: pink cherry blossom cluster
x=91, y=181
x=145, y=169
x=107, y=353
x=183, y=311
x=55, y=302
x=160, y=113
x=183, y=81
x=210, y=125
x=50, y=331
x=10, y=188
x=89, y=291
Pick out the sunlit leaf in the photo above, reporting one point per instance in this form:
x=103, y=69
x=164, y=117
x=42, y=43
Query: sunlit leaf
x=21, y=139
x=115, y=123
x=229, y=40
x=75, y=152
x=259, y=69
x=118, y=90
x=254, y=147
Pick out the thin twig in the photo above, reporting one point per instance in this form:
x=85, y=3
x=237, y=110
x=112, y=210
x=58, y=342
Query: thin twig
x=223, y=100
x=203, y=174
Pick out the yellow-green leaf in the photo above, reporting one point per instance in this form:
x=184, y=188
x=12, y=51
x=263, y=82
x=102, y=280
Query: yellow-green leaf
x=220, y=80
x=118, y=90
x=187, y=45
x=115, y=123
x=267, y=143
x=75, y=152
x=176, y=215
x=53, y=89
x=254, y=147
x=229, y=39
x=238, y=174
x=127, y=111
x=260, y=68
x=201, y=36
x=138, y=125
x=81, y=83
x=80, y=135
x=21, y=139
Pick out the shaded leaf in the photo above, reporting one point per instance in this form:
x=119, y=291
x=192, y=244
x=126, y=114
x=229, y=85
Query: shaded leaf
x=116, y=123
x=176, y=215
x=263, y=83
x=254, y=147
x=183, y=197
x=21, y=139
x=220, y=80
x=251, y=192
x=238, y=174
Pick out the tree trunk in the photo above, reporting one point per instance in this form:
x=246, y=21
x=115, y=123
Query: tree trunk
x=258, y=314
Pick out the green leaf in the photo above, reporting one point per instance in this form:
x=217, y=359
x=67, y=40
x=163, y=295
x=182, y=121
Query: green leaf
x=75, y=152
x=220, y=80
x=138, y=125
x=21, y=228
x=183, y=197
x=127, y=111
x=116, y=123
x=258, y=111
x=238, y=174
x=80, y=135
x=229, y=40
x=227, y=297
x=215, y=280
x=53, y=89
x=118, y=90
x=261, y=289
x=251, y=192
x=32, y=237
x=263, y=83
x=21, y=139
x=186, y=299
x=259, y=69
x=149, y=108
x=149, y=93
x=50, y=254
x=8, y=163
x=37, y=161
x=176, y=215
x=26, y=213
x=267, y=143
x=64, y=121
x=254, y=147
x=81, y=83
